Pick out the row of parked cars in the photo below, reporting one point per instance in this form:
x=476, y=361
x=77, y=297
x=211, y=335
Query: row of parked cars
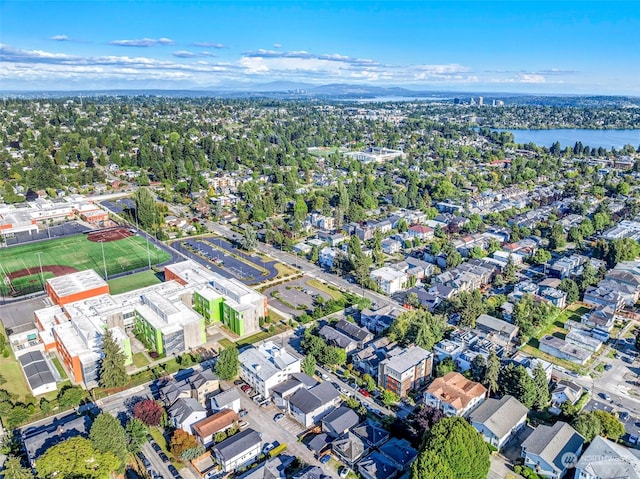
x=254, y=395
x=147, y=464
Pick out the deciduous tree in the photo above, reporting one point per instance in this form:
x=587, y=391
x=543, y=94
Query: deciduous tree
x=148, y=411
x=228, y=364
x=76, y=458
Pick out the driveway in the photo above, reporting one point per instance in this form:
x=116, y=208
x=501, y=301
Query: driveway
x=512, y=449
x=285, y=431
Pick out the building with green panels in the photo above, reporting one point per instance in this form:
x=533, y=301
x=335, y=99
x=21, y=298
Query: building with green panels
x=167, y=325
x=240, y=318
x=209, y=304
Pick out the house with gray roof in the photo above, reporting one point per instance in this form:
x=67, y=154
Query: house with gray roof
x=339, y=421
x=349, y=448
x=377, y=466
x=544, y=450
x=239, y=450
x=308, y=406
x=372, y=433
x=36, y=442
x=498, y=420
x=361, y=335
x=335, y=338
x=229, y=399
x=185, y=412
x=604, y=459
x=400, y=452
x=312, y=472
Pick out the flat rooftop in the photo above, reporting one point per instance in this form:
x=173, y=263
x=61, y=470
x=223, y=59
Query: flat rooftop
x=76, y=282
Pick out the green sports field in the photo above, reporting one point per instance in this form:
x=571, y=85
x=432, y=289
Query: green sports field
x=77, y=252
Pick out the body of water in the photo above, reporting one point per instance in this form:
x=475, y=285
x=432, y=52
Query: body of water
x=569, y=137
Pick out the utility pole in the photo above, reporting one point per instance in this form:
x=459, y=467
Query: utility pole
x=38, y=254
x=104, y=263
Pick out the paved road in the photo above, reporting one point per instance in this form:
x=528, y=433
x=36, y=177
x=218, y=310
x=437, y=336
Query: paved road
x=306, y=267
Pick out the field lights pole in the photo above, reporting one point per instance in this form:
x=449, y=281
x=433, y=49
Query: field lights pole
x=38, y=254
x=104, y=263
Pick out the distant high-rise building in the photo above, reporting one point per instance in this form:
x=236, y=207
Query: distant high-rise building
x=480, y=101
x=456, y=101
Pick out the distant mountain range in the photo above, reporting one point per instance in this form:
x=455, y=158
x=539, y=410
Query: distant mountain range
x=343, y=91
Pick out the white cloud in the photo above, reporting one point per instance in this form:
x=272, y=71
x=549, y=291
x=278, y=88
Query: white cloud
x=530, y=78
x=184, y=54
x=59, y=38
x=277, y=45
x=208, y=45
x=143, y=42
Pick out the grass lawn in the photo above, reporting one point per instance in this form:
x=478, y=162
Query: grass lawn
x=225, y=343
x=16, y=383
x=133, y=281
x=314, y=283
x=60, y=369
x=528, y=349
x=284, y=270
x=78, y=252
x=275, y=317
x=140, y=360
x=262, y=335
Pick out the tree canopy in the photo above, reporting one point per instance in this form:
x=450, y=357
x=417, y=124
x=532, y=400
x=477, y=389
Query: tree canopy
x=452, y=448
x=76, y=458
x=228, y=364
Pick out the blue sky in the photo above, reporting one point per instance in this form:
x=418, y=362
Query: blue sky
x=512, y=46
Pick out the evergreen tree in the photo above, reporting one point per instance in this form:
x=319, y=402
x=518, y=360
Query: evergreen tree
x=515, y=381
x=228, y=364
x=492, y=372
x=112, y=372
x=107, y=435
x=146, y=208
x=542, y=387
x=453, y=448
x=478, y=368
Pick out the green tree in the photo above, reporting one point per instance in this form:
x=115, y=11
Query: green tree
x=478, y=368
x=76, y=458
x=136, y=432
x=612, y=427
x=389, y=398
x=543, y=396
x=541, y=256
x=13, y=469
x=107, y=435
x=249, y=239
x=570, y=287
x=509, y=272
x=430, y=465
x=454, y=448
x=588, y=425
x=492, y=372
x=469, y=305
x=557, y=237
x=309, y=365
x=515, y=381
x=445, y=366
x=228, y=364
x=146, y=208
x=334, y=356
x=112, y=372
x=70, y=396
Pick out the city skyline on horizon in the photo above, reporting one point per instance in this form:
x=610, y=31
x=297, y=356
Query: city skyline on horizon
x=525, y=47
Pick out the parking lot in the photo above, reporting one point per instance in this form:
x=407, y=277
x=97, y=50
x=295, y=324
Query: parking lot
x=297, y=296
x=215, y=254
